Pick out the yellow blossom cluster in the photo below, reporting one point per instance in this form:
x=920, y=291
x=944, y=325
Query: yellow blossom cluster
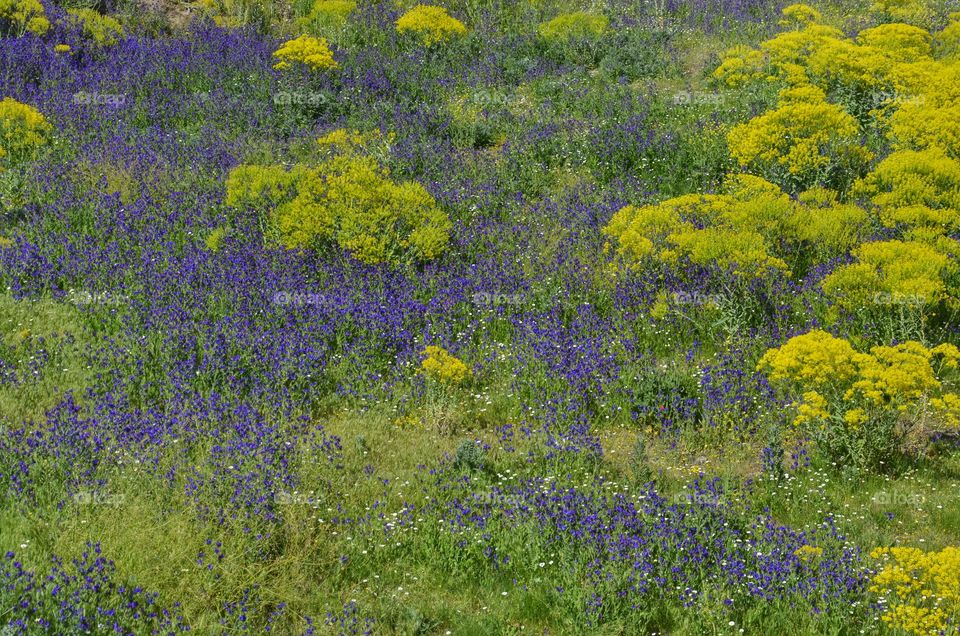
x=23, y=16
x=23, y=129
x=888, y=272
x=431, y=25
x=440, y=365
x=740, y=228
x=328, y=14
x=307, y=50
x=348, y=199
x=838, y=381
x=579, y=25
x=102, y=29
x=920, y=590
x=802, y=141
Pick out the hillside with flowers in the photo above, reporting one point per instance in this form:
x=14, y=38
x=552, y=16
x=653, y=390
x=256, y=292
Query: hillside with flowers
x=480, y=318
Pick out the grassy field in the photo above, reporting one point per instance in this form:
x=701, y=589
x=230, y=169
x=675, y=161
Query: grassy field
x=335, y=317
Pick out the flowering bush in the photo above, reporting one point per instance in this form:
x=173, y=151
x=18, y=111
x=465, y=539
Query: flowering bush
x=573, y=26
x=431, y=25
x=23, y=129
x=919, y=591
x=859, y=407
x=915, y=188
x=102, y=29
x=805, y=141
x=891, y=269
x=328, y=14
x=440, y=365
x=349, y=200
x=23, y=16
x=307, y=50
x=665, y=232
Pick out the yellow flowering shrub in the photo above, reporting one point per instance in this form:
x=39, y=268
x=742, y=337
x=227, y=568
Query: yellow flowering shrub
x=261, y=186
x=798, y=16
x=808, y=552
x=948, y=40
x=915, y=187
x=579, y=25
x=102, y=29
x=349, y=200
x=802, y=142
x=440, y=365
x=663, y=231
x=890, y=270
x=738, y=228
x=815, y=359
x=902, y=42
x=431, y=25
x=919, y=125
x=23, y=129
x=741, y=65
x=908, y=11
x=308, y=50
x=18, y=17
x=921, y=590
x=328, y=14
x=214, y=240
x=859, y=406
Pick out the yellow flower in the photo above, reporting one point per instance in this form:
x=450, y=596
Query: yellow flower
x=440, y=365
x=432, y=25
x=62, y=48
x=579, y=25
x=22, y=130
x=25, y=16
x=808, y=552
x=921, y=589
x=349, y=200
x=102, y=29
x=308, y=50
x=804, y=136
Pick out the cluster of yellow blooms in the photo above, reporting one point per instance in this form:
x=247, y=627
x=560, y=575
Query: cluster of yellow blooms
x=904, y=79
x=348, y=199
x=23, y=16
x=910, y=271
x=23, y=129
x=738, y=228
x=431, y=25
x=800, y=141
x=838, y=381
x=579, y=25
x=440, y=365
x=331, y=14
x=102, y=29
x=308, y=50
x=920, y=590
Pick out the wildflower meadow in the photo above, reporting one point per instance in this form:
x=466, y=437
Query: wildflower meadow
x=491, y=317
